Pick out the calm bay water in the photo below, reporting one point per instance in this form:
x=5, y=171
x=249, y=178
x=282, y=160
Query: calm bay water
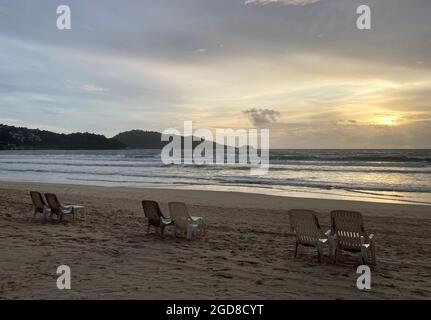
x=373, y=175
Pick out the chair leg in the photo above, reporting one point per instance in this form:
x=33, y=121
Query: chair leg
x=331, y=246
x=203, y=229
x=363, y=251
x=162, y=229
x=45, y=215
x=373, y=252
x=188, y=232
x=148, y=228
x=319, y=252
x=296, y=249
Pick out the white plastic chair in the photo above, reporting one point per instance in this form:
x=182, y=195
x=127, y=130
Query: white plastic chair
x=349, y=232
x=308, y=232
x=184, y=222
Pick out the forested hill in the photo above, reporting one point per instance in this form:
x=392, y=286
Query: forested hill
x=139, y=139
x=23, y=138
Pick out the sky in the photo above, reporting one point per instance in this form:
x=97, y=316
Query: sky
x=300, y=68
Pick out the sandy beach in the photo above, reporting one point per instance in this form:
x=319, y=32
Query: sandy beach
x=247, y=254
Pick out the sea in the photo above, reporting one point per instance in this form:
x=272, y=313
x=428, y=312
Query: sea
x=394, y=176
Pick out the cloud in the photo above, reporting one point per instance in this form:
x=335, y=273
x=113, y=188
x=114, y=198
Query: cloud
x=94, y=88
x=310, y=63
x=261, y=117
x=345, y=135
x=285, y=2
x=4, y=10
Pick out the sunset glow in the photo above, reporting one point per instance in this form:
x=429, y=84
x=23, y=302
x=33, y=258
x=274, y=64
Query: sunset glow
x=293, y=59
x=388, y=120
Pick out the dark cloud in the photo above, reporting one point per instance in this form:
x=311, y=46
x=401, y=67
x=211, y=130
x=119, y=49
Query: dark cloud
x=262, y=117
x=172, y=30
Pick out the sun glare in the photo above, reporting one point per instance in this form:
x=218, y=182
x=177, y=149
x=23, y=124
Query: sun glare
x=387, y=120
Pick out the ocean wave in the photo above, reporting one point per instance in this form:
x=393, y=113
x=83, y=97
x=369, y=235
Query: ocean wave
x=357, y=170
x=151, y=162
x=401, y=159
x=149, y=174
x=87, y=164
x=323, y=185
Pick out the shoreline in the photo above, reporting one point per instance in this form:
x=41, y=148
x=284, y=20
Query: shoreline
x=302, y=193
x=207, y=196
